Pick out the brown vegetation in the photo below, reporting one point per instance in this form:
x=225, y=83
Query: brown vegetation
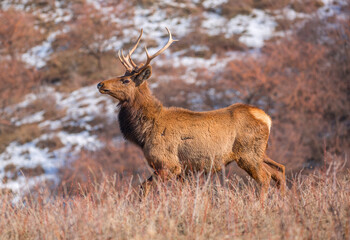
x=316, y=207
x=306, y=6
x=218, y=44
x=13, y=172
x=303, y=84
x=301, y=80
x=81, y=54
x=123, y=161
x=17, y=35
x=231, y=8
x=21, y=134
x=50, y=143
x=17, y=80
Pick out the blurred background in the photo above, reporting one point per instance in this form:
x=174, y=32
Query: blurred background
x=289, y=57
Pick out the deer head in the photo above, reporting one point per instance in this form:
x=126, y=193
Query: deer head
x=123, y=88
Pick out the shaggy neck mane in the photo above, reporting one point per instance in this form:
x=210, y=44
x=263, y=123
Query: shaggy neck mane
x=136, y=117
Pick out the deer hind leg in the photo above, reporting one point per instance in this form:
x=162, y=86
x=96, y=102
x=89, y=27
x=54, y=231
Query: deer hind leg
x=255, y=168
x=277, y=172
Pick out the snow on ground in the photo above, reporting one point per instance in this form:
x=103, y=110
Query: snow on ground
x=213, y=3
x=333, y=8
x=36, y=117
x=38, y=55
x=81, y=106
x=254, y=28
x=7, y=4
x=84, y=105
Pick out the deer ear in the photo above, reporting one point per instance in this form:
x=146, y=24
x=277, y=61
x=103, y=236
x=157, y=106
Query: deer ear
x=142, y=76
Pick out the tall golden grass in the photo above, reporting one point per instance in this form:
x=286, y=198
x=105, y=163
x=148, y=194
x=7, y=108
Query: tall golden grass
x=316, y=206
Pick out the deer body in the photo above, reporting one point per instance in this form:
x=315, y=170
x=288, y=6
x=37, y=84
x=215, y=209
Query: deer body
x=177, y=141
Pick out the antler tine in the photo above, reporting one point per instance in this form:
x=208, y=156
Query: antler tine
x=137, y=43
x=127, y=62
x=131, y=61
x=133, y=49
x=122, y=60
x=150, y=58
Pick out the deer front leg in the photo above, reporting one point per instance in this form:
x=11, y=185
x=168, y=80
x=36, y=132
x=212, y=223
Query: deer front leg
x=145, y=186
x=164, y=162
x=163, y=175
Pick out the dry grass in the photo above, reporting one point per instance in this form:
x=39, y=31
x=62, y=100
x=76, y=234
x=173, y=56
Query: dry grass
x=219, y=45
x=302, y=83
x=316, y=206
x=22, y=134
x=52, y=144
x=23, y=171
x=307, y=6
x=232, y=8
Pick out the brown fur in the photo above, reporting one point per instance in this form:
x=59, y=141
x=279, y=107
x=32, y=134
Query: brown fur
x=177, y=141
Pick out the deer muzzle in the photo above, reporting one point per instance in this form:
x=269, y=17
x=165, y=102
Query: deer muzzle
x=100, y=85
x=101, y=88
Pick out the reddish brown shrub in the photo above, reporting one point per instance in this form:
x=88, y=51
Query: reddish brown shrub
x=304, y=87
x=93, y=167
x=16, y=80
x=17, y=33
x=83, y=55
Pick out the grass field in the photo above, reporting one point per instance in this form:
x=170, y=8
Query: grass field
x=60, y=144
x=316, y=206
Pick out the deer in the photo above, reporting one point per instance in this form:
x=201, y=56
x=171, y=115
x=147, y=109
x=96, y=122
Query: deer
x=177, y=141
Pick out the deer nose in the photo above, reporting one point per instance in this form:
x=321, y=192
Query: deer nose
x=99, y=85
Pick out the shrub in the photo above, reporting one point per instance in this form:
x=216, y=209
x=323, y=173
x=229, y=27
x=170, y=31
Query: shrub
x=302, y=84
x=91, y=167
x=17, y=35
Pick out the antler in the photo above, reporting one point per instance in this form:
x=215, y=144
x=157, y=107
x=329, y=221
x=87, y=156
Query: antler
x=124, y=61
x=127, y=61
x=133, y=49
x=130, y=65
x=150, y=58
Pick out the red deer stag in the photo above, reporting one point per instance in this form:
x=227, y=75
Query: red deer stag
x=176, y=141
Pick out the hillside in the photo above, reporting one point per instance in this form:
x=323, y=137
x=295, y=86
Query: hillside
x=290, y=58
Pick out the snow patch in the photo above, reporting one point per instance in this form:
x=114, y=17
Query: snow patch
x=82, y=106
x=254, y=28
x=289, y=14
x=38, y=55
x=36, y=117
x=78, y=141
x=213, y=3
x=213, y=23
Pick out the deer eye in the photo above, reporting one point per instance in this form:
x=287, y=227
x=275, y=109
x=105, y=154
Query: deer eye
x=125, y=81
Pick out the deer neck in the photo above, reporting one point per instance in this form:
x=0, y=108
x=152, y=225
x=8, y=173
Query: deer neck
x=137, y=117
